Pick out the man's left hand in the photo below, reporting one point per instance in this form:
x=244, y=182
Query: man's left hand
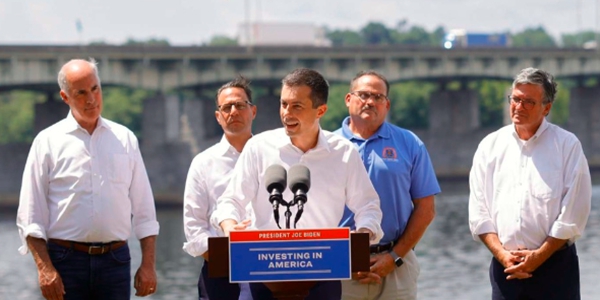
x=530, y=261
x=382, y=264
x=145, y=281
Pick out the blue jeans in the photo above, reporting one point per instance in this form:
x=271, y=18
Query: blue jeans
x=105, y=276
x=220, y=288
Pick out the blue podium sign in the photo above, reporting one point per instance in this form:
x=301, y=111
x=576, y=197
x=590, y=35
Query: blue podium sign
x=289, y=255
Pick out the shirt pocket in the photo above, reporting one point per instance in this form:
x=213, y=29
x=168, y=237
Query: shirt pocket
x=546, y=185
x=120, y=171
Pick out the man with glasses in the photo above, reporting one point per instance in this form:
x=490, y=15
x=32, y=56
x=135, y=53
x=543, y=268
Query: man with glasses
x=207, y=179
x=530, y=197
x=401, y=171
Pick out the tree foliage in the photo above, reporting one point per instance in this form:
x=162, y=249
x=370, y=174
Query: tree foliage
x=222, y=40
x=533, y=37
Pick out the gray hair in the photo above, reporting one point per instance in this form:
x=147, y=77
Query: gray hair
x=62, y=76
x=538, y=77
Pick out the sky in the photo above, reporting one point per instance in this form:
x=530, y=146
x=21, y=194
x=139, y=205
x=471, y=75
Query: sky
x=193, y=22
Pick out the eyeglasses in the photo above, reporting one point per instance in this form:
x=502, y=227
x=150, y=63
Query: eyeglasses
x=365, y=96
x=241, y=105
x=527, y=104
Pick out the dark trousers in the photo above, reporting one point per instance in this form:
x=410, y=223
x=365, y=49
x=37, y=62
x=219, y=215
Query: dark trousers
x=557, y=278
x=323, y=290
x=220, y=288
x=105, y=276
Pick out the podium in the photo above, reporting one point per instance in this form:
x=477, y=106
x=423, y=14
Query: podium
x=219, y=248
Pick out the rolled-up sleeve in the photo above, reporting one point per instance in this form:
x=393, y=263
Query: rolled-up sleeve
x=240, y=191
x=143, y=210
x=362, y=199
x=576, y=202
x=196, y=218
x=480, y=220
x=33, y=213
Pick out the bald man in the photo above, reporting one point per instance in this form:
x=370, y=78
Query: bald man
x=84, y=190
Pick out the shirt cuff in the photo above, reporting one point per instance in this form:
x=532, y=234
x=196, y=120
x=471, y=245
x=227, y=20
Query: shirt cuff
x=146, y=229
x=565, y=231
x=481, y=228
x=196, y=247
x=33, y=230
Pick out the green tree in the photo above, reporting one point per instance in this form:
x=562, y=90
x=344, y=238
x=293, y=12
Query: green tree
x=336, y=107
x=153, y=41
x=492, y=101
x=17, y=116
x=221, y=40
x=410, y=104
x=533, y=37
x=578, y=39
x=376, y=34
x=344, y=38
x=124, y=106
x=416, y=35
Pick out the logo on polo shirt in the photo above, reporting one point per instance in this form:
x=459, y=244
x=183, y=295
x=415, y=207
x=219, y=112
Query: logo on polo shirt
x=389, y=153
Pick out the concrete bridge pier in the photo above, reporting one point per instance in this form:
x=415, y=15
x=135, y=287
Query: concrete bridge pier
x=453, y=112
x=453, y=132
x=267, y=115
x=49, y=112
x=584, y=120
x=166, y=156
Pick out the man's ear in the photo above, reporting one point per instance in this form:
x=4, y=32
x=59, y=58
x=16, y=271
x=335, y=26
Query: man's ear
x=64, y=97
x=321, y=110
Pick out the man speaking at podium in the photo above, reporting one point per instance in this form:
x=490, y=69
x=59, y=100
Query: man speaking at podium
x=338, y=175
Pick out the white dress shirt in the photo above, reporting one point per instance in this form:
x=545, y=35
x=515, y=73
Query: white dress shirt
x=85, y=188
x=206, y=180
x=528, y=190
x=338, y=178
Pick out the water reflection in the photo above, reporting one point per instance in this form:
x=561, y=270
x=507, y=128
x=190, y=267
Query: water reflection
x=453, y=265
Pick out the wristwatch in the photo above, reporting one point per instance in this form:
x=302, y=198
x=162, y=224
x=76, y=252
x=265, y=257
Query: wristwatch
x=397, y=259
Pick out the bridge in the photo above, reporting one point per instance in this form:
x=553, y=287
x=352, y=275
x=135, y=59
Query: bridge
x=176, y=129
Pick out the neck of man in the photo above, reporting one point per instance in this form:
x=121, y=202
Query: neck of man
x=238, y=141
x=307, y=141
x=363, y=129
x=525, y=133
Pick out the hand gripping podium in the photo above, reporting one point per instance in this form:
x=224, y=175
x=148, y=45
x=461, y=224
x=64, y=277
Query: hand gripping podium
x=291, y=261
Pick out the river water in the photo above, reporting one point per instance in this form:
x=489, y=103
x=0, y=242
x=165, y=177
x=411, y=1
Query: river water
x=453, y=265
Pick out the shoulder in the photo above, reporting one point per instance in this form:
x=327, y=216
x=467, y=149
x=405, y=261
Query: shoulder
x=565, y=137
x=336, y=141
x=399, y=133
x=117, y=128
x=490, y=141
x=267, y=137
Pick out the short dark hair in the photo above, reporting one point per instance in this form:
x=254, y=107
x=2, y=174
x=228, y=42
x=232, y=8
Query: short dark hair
x=319, y=88
x=538, y=77
x=370, y=73
x=238, y=82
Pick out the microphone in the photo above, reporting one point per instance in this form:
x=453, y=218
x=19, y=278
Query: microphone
x=299, y=184
x=275, y=181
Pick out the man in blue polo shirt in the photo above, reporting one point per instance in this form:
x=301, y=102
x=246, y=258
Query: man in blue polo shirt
x=403, y=176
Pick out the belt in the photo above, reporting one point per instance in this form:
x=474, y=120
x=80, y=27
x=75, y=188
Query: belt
x=381, y=248
x=90, y=248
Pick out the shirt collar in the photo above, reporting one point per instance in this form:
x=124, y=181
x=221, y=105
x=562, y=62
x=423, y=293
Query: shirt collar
x=537, y=134
x=322, y=143
x=71, y=124
x=383, y=131
x=224, y=146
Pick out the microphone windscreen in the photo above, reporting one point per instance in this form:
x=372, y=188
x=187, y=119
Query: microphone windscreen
x=275, y=178
x=299, y=178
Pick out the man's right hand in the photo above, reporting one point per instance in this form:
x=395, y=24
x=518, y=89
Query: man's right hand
x=51, y=283
x=507, y=259
x=230, y=225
